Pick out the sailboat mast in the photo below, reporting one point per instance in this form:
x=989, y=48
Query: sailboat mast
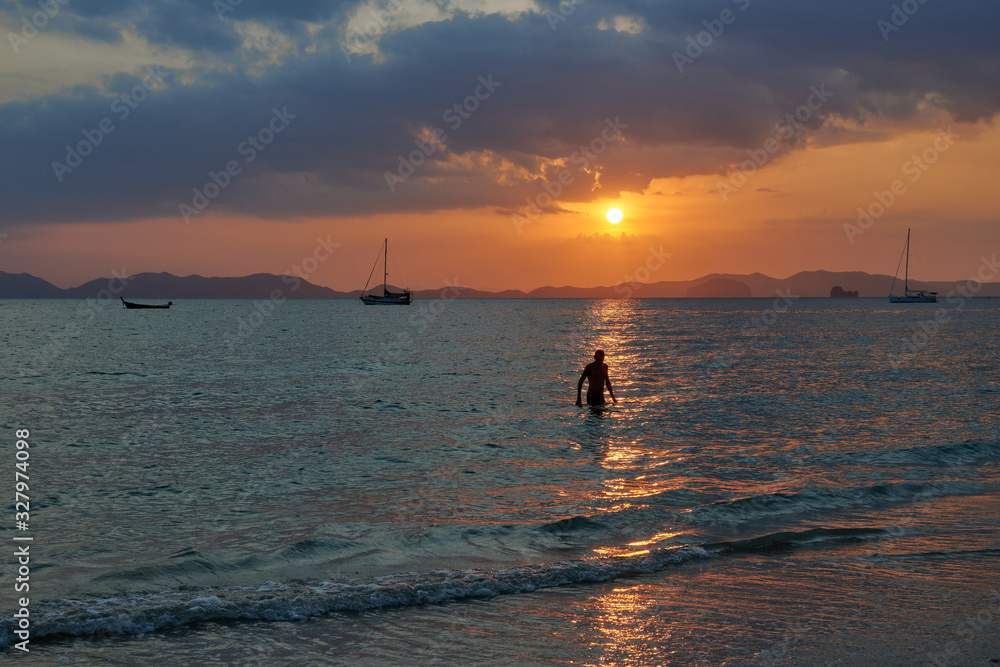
x=906, y=278
x=385, y=261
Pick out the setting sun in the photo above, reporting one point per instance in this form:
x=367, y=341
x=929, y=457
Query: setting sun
x=614, y=216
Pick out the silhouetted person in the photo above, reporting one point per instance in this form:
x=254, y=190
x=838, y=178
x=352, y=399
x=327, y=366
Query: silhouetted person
x=596, y=374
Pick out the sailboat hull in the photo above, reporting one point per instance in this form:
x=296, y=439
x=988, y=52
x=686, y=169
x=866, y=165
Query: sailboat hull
x=372, y=300
x=919, y=297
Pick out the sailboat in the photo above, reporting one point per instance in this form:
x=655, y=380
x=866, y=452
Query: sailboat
x=908, y=295
x=387, y=298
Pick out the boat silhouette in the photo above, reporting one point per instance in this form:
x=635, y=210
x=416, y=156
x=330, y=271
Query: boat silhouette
x=387, y=298
x=129, y=304
x=910, y=295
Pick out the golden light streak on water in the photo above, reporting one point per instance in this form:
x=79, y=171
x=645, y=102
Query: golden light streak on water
x=631, y=548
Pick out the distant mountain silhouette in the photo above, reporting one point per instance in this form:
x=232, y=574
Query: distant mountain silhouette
x=716, y=288
x=169, y=286
x=26, y=286
x=266, y=286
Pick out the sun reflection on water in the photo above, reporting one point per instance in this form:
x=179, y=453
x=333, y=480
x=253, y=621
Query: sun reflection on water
x=610, y=325
x=630, y=628
x=632, y=548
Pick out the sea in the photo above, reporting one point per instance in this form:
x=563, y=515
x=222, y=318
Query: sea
x=783, y=481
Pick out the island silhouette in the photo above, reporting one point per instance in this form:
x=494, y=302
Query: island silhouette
x=267, y=285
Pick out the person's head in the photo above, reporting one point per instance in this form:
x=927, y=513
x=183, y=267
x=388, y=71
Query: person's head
x=599, y=356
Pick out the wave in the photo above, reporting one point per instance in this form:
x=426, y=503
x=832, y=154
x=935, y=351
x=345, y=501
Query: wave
x=563, y=539
x=937, y=555
x=788, y=541
x=821, y=500
x=761, y=509
x=970, y=452
x=137, y=614
x=572, y=536
x=134, y=614
x=113, y=373
x=573, y=524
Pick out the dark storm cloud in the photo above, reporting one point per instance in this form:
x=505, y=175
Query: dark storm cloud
x=177, y=24
x=192, y=24
x=354, y=117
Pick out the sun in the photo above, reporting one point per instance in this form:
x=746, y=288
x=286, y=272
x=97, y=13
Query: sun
x=614, y=216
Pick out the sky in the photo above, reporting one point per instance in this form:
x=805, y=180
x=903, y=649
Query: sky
x=487, y=139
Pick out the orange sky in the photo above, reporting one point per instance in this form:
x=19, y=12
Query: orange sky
x=788, y=217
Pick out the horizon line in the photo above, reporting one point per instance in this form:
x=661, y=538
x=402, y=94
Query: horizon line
x=468, y=287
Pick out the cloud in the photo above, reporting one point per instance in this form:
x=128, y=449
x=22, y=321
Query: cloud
x=185, y=23
x=354, y=118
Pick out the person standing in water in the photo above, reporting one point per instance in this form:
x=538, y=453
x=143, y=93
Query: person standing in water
x=596, y=374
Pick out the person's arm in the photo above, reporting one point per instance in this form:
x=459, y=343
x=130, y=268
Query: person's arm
x=579, y=387
x=607, y=382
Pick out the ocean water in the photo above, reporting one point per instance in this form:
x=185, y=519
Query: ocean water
x=810, y=481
